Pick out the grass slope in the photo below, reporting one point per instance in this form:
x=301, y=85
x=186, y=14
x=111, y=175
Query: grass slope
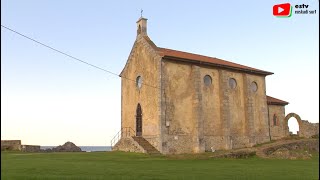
x=120, y=165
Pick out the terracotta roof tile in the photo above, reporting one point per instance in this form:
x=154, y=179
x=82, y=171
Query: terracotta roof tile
x=169, y=53
x=274, y=101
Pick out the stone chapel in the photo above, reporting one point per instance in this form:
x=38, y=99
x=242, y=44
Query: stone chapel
x=178, y=102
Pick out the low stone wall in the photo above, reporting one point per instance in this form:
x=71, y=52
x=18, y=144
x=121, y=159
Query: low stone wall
x=30, y=148
x=309, y=144
x=11, y=145
x=308, y=129
x=128, y=144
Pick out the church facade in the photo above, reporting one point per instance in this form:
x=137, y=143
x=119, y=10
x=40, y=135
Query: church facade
x=181, y=102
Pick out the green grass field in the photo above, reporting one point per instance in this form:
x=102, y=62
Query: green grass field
x=120, y=165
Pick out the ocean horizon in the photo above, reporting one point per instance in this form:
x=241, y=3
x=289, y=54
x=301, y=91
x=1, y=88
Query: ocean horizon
x=85, y=148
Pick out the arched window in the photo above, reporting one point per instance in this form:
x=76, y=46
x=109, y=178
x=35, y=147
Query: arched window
x=275, y=120
x=139, y=82
x=138, y=120
x=139, y=29
x=207, y=80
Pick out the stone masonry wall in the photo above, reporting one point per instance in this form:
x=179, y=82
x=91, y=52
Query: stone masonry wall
x=30, y=148
x=180, y=108
x=13, y=145
x=277, y=127
x=308, y=129
x=143, y=61
x=214, y=116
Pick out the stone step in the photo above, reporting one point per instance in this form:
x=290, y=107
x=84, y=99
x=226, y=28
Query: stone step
x=146, y=145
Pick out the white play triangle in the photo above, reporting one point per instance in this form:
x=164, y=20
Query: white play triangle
x=280, y=10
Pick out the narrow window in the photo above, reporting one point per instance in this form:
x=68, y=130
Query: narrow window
x=275, y=119
x=139, y=121
x=139, y=82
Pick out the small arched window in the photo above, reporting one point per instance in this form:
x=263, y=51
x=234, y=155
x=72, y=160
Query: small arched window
x=139, y=82
x=139, y=29
x=275, y=120
x=207, y=80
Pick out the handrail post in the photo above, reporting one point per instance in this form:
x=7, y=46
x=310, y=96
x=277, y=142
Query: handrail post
x=124, y=132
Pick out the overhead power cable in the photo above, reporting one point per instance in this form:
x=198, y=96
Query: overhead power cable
x=77, y=59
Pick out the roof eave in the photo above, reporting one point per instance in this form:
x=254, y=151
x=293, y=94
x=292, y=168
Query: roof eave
x=277, y=103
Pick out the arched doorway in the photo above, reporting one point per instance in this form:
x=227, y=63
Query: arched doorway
x=295, y=124
x=138, y=121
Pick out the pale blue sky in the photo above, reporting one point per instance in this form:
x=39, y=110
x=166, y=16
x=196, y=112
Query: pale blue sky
x=48, y=98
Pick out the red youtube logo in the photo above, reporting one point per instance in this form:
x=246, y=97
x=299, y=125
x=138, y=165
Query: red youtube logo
x=282, y=10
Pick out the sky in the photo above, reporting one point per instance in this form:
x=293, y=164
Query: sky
x=48, y=98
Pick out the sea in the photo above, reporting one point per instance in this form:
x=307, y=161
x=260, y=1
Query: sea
x=85, y=148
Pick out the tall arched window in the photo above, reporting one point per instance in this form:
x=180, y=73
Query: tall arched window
x=139, y=121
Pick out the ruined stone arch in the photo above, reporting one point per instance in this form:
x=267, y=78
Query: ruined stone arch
x=290, y=115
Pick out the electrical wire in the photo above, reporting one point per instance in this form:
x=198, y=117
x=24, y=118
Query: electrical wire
x=77, y=59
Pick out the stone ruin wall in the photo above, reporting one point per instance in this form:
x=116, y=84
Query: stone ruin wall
x=30, y=148
x=15, y=145
x=308, y=129
x=12, y=145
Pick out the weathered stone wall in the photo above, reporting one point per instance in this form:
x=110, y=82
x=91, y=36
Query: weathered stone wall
x=12, y=145
x=211, y=116
x=243, y=113
x=30, y=148
x=180, y=110
x=127, y=144
x=213, y=131
x=308, y=129
x=277, y=128
x=216, y=142
x=256, y=109
x=145, y=62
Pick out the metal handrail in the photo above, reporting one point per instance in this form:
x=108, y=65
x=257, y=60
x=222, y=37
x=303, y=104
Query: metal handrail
x=124, y=132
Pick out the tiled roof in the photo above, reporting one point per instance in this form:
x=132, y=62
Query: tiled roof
x=274, y=101
x=185, y=56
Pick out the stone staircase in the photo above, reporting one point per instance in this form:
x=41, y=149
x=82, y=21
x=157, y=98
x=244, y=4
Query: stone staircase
x=146, y=145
